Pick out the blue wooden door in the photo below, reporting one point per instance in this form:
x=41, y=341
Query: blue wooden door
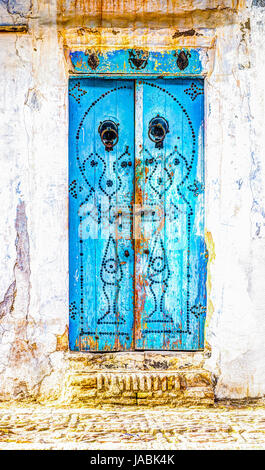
x=101, y=177
x=170, y=262
x=136, y=215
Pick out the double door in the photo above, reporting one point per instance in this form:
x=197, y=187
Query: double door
x=137, y=255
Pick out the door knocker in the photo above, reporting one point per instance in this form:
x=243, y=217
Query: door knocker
x=158, y=128
x=182, y=59
x=109, y=134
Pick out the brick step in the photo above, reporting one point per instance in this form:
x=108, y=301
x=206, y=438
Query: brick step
x=180, y=387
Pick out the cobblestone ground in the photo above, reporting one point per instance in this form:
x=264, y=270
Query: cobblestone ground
x=220, y=427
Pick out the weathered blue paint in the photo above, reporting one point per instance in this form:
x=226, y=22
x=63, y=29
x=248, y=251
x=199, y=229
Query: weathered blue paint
x=120, y=62
x=148, y=292
x=171, y=257
x=100, y=222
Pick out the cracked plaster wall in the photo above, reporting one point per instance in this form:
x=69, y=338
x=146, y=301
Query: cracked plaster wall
x=15, y=11
x=34, y=192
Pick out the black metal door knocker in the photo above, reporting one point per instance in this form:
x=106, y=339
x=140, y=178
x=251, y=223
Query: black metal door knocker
x=109, y=134
x=182, y=59
x=158, y=128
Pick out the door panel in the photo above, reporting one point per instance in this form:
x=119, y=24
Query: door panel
x=170, y=254
x=100, y=224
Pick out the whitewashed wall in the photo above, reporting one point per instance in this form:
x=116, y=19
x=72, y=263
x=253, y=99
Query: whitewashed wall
x=236, y=215
x=34, y=193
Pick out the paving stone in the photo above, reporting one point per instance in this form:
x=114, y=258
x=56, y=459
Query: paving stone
x=50, y=427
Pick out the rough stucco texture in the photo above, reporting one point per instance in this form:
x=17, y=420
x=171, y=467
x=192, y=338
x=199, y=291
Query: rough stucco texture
x=34, y=220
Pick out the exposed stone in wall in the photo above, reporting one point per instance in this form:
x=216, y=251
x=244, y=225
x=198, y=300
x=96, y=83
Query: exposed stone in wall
x=15, y=307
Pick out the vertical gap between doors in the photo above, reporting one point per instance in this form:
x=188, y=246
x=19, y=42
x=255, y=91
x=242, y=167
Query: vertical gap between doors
x=133, y=227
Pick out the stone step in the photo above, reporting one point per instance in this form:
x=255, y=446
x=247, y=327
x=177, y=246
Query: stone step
x=133, y=360
x=174, y=388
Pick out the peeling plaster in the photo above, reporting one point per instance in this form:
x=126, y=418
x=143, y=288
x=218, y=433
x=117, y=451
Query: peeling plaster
x=6, y=305
x=21, y=268
x=187, y=32
x=63, y=341
x=14, y=11
x=258, y=3
x=17, y=7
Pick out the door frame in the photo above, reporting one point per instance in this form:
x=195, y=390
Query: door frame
x=197, y=68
